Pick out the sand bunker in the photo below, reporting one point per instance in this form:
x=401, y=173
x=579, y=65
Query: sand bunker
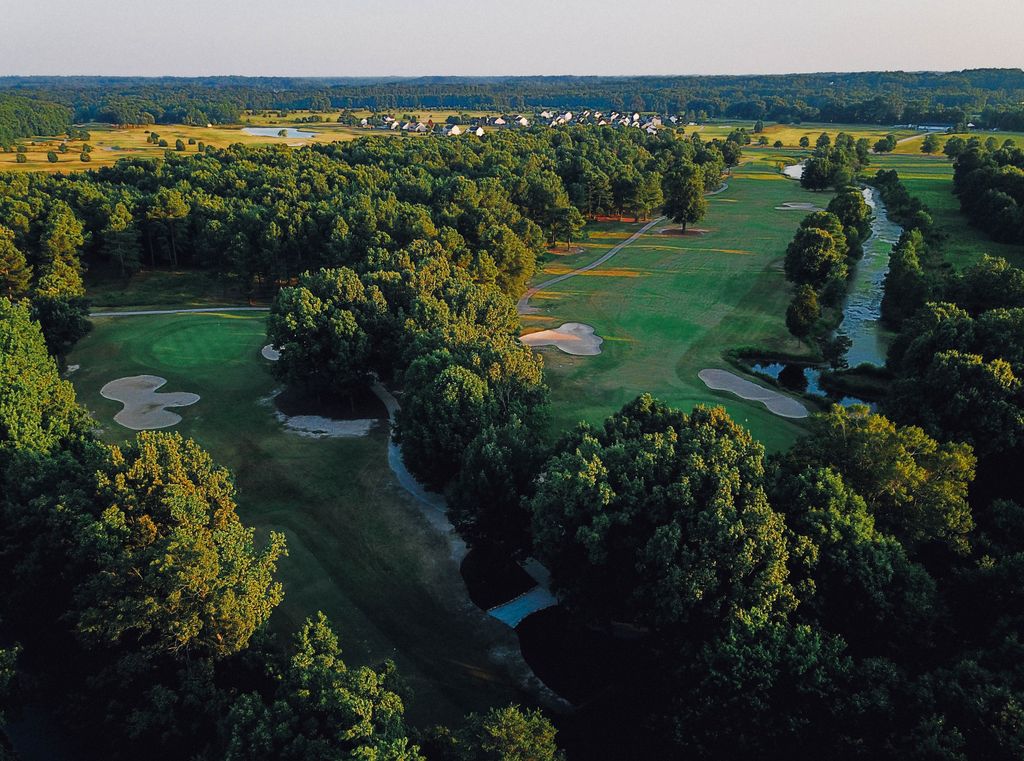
x=570, y=337
x=144, y=409
x=723, y=380
x=269, y=352
x=791, y=206
x=317, y=427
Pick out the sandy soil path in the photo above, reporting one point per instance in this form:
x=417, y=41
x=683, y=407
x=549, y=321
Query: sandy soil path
x=524, y=303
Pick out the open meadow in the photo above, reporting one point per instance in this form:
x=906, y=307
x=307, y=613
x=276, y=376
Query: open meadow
x=668, y=305
x=359, y=549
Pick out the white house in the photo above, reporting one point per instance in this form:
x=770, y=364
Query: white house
x=522, y=121
x=546, y=115
x=499, y=122
x=479, y=132
x=453, y=131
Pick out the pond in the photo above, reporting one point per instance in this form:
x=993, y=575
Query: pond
x=275, y=132
x=794, y=171
x=803, y=379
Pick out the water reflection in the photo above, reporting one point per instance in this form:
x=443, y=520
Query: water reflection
x=804, y=379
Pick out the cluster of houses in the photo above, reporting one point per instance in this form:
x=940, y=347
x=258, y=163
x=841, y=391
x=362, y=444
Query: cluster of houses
x=453, y=130
x=478, y=127
x=649, y=124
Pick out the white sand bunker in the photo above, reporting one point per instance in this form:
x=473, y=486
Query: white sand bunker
x=317, y=427
x=271, y=353
x=802, y=206
x=723, y=380
x=571, y=337
x=144, y=409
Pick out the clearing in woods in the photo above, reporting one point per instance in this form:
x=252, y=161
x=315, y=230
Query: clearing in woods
x=359, y=548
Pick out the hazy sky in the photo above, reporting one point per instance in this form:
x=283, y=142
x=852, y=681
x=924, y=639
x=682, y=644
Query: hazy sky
x=414, y=37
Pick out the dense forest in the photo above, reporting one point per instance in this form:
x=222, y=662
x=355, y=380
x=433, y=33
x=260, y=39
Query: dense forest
x=856, y=597
x=24, y=117
x=991, y=97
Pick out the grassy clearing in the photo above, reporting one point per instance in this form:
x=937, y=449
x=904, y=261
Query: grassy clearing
x=359, y=548
x=790, y=134
x=930, y=178
x=111, y=143
x=668, y=305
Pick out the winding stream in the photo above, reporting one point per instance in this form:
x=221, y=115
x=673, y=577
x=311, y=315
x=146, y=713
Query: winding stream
x=862, y=313
x=863, y=309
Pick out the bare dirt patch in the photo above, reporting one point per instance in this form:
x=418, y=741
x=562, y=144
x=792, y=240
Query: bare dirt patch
x=145, y=409
x=779, y=404
x=570, y=337
x=798, y=206
x=690, y=232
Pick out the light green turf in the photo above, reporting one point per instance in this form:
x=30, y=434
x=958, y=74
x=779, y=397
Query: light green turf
x=930, y=178
x=669, y=306
x=359, y=549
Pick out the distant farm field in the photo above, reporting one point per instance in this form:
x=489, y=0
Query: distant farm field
x=359, y=548
x=668, y=306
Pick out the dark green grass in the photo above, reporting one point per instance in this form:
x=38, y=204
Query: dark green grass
x=156, y=289
x=930, y=178
x=359, y=549
x=669, y=306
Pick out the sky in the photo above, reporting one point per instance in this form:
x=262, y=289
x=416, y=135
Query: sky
x=507, y=37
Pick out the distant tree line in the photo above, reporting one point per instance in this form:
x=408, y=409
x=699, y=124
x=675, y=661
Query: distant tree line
x=990, y=95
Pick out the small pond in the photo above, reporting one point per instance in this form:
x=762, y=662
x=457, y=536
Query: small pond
x=794, y=171
x=275, y=132
x=803, y=379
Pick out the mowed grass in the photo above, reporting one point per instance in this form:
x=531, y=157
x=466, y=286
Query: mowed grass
x=914, y=146
x=668, y=306
x=790, y=134
x=359, y=548
x=930, y=178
